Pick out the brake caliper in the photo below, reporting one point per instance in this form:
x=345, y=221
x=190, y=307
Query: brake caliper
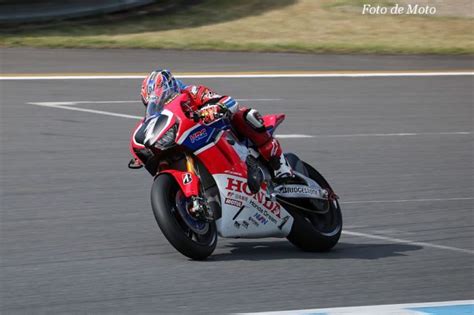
x=199, y=209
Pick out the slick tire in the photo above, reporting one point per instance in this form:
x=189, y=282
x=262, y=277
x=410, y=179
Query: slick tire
x=315, y=232
x=163, y=201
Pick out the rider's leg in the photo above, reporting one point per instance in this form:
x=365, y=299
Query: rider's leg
x=249, y=124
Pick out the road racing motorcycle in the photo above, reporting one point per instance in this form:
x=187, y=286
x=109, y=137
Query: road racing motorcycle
x=209, y=182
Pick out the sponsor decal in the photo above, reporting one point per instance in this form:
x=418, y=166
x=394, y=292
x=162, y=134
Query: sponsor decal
x=298, y=190
x=233, y=173
x=241, y=223
x=239, y=186
x=260, y=218
x=253, y=221
x=198, y=135
x=234, y=195
x=267, y=214
x=187, y=178
x=233, y=202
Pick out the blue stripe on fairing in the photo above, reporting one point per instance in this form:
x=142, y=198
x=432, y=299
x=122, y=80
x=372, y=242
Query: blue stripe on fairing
x=211, y=131
x=446, y=310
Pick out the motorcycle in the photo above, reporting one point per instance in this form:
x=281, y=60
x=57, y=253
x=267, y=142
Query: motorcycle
x=208, y=182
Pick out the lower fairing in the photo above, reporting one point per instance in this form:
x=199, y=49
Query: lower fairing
x=247, y=215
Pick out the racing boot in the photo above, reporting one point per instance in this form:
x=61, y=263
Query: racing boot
x=283, y=173
x=249, y=123
x=282, y=168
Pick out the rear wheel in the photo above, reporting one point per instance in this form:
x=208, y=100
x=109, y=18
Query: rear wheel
x=315, y=232
x=193, y=238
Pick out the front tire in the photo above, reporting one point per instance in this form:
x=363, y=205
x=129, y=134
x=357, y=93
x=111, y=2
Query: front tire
x=315, y=232
x=194, y=243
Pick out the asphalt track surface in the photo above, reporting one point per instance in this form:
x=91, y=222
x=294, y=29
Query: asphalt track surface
x=76, y=229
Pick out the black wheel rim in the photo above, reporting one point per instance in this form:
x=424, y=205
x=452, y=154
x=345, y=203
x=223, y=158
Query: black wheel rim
x=328, y=223
x=199, y=232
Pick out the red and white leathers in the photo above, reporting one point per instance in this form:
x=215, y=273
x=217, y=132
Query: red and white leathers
x=247, y=122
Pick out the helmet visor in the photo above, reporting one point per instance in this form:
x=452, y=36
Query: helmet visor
x=158, y=98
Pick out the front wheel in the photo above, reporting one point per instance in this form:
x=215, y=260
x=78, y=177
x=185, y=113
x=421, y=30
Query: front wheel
x=315, y=232
x=193, y=238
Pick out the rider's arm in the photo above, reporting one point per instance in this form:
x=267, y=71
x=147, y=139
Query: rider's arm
x=231, y=104
x=201, y=96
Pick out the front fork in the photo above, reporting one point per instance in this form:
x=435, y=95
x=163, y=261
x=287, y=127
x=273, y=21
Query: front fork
x=189, y=182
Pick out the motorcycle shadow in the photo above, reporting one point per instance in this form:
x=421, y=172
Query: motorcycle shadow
x=274, y=250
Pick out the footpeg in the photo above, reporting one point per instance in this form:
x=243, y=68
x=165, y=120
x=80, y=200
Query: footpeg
x=135, y=164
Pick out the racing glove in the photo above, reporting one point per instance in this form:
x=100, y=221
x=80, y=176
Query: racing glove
x=211, y=112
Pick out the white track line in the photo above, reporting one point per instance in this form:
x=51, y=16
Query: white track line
x=332, y=75
x=246, y=75
x=406, y=200
x=70, y=103
x=67, y=105
x=409, y=242
x=294, y=136
x=401, y=134
x=100, y=112
x=405, y=241
x=258, y=99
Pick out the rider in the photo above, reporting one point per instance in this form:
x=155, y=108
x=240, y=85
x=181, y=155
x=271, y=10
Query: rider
x=247, y=122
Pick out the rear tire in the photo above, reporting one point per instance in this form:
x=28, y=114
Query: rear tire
x=196, y=246
x=314, y=232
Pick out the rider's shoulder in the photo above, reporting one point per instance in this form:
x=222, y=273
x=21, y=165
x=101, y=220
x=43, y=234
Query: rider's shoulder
x=197, y=89
x=192, y=89
x=201, y=93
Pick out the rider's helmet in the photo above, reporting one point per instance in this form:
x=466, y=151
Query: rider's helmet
x=160, y=84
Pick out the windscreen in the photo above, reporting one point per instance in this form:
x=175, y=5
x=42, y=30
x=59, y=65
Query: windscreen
x=154, y=107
